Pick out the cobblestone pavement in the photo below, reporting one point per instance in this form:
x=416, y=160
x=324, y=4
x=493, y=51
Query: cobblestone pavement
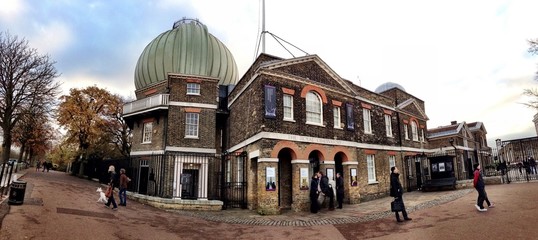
x=363, y=212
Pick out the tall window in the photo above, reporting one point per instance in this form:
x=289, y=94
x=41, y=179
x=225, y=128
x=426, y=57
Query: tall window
x=193, y=89
x=191, y=125
x=313, y=108
x=288, y=107
x=414, y=130
x=371, y=168
x=392, y=161
x=147, y=131
x=406, y=133
x=228, y=171
x=336, y=117
x=422, y=135
x=367, y=120
x=240, y=170
x=388, y=125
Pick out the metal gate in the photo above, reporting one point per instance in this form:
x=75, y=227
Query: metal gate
x=234, y=189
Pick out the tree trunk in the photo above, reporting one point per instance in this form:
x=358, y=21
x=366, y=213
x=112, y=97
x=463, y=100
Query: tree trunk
x=6, y=146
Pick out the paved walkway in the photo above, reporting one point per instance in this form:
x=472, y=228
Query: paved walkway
x=58, y=199
x=363, y=212
x=356, y=213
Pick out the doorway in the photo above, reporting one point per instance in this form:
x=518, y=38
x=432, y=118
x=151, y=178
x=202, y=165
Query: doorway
x=418, y=170
x=189, y=184
x=285, y=179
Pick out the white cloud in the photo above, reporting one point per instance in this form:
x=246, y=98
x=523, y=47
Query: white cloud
x=10, y=10
x=52, y=37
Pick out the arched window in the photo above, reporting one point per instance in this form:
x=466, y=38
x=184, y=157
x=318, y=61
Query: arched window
x=414, y=130
x=313, y=108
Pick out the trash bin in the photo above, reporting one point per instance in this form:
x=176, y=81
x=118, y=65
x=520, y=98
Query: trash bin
x=16, y=193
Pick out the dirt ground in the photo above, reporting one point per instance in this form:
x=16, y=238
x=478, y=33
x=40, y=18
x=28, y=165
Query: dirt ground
x=64, y=207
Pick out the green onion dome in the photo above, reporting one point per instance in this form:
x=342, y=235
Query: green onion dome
x=188, y=48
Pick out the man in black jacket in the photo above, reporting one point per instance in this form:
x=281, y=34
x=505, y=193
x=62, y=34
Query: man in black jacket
x=339, y=190
x=326, y=189
x=396, y=191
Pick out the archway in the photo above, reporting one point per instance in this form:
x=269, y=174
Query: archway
x=339, y=158
x=285, y=173
x=314, y=158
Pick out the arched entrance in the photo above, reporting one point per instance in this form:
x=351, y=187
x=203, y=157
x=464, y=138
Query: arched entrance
x=314, y=158
x=339, y=158
x=285, y=178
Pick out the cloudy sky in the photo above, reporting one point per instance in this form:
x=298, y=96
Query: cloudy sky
x=467, y=60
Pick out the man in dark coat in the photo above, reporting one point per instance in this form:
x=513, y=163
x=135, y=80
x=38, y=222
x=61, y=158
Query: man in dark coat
x=396, y=191
x=339, y=190
x=314, y=205
x=326, y=189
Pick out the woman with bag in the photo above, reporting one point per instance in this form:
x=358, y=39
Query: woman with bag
x=396, y=191
x=111, y=200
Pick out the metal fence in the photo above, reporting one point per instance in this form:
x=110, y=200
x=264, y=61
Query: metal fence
x=7, y=173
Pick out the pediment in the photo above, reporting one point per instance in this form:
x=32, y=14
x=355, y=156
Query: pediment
x=411, y=107
x=310, y=68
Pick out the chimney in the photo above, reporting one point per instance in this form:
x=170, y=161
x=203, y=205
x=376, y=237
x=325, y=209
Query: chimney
x=453, y=122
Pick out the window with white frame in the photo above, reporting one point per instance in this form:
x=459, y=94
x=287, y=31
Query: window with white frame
x=191, y=125
x=392, y=161
x=313, y=108
x=422, y=135
x=240, y=170
x=406, y=133
x=388, y=125
x=370, y=161
x=193, y=89
x=228, y=171
x=367, y=120
x=336, y=117
x=288, y=107
x=414, y=131
x=147, y=132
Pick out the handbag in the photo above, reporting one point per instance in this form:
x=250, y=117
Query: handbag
x=321, y=198
x=108, y=192
x=396, y=206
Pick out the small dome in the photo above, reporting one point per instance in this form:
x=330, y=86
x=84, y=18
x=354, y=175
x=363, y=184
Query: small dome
x=388, y=85
x=188, y=48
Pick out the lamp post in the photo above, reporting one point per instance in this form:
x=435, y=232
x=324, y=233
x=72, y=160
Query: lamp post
x=455, y=163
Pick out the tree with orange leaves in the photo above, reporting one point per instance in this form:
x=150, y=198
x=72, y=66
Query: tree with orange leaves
x=90, y=116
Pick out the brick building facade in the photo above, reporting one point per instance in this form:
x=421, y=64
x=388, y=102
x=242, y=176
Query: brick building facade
x=256, y=141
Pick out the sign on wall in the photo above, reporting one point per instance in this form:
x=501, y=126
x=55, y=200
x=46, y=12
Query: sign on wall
x=353, y=177
x=270, y=179
x=304, y=179
x=350, y=123
x=270, y=101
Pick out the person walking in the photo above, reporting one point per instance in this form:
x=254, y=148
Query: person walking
x=396, y=191
x=111, y=184
x=326, y=189
x=480, y=186
x=124, y=180
x=339, y=190
x=314, y=194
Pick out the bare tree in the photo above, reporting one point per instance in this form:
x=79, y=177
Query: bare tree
x=118, y=128
x=26, y=81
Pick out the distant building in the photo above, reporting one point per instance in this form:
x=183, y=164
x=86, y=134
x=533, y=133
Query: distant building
x=535, y=121
x=514, y=151
x=466, y=142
